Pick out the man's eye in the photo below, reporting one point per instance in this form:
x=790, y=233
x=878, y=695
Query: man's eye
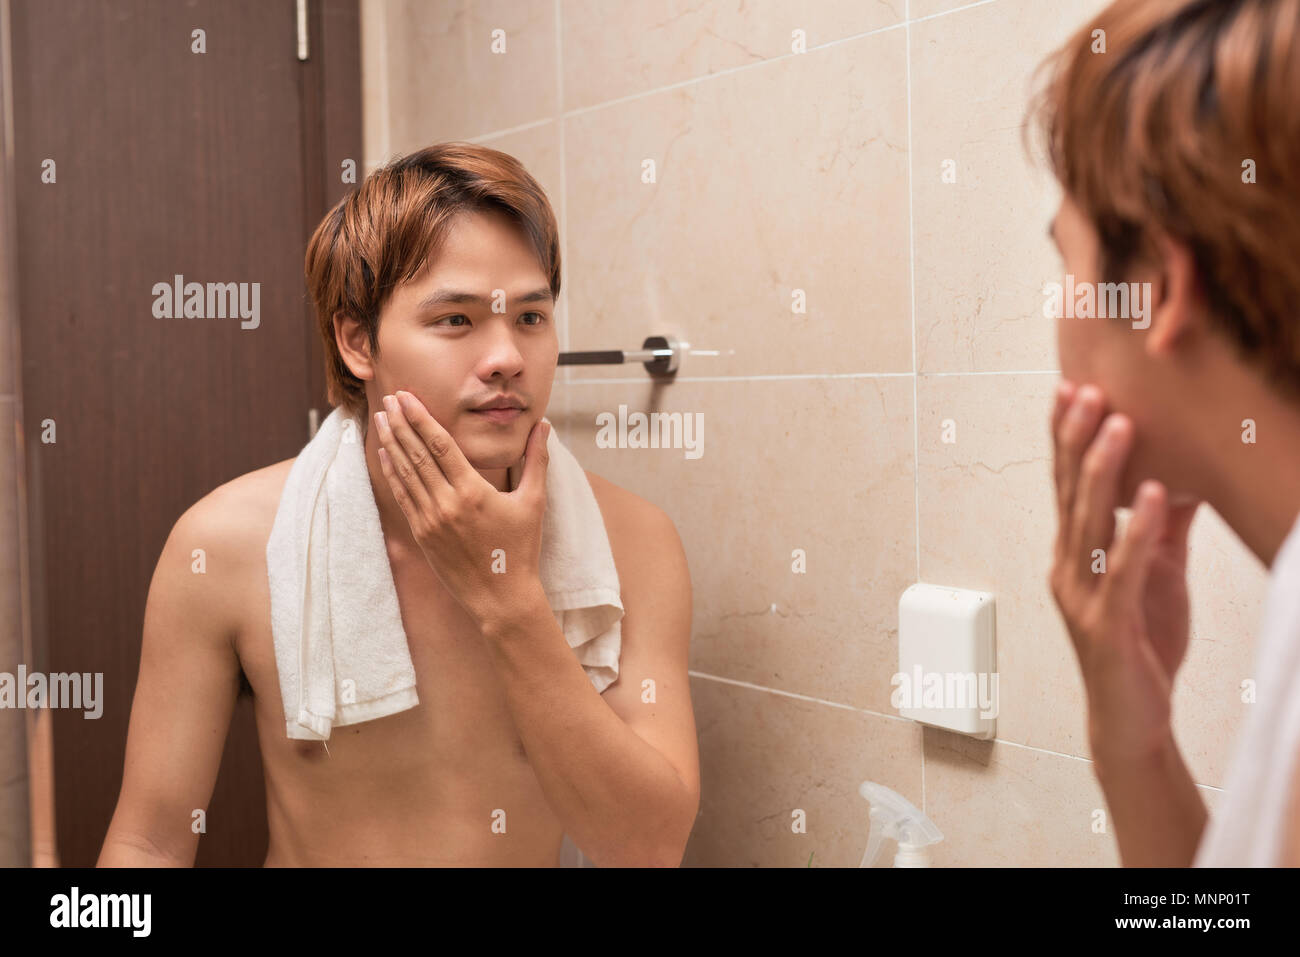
x=541, y=317
x=448, y=318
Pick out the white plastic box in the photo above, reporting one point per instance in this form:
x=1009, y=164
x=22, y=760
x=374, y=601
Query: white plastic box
x=947, y=663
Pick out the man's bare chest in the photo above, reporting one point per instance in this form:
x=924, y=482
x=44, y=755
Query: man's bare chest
x=462, y=719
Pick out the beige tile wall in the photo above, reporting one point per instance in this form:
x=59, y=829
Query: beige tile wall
x=821, y=171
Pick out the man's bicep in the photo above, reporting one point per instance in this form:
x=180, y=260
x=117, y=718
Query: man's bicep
x=652, y=694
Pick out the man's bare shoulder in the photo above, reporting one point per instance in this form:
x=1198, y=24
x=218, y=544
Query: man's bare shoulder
x=642, y=537
x=626, y=510
x=260, y=487
x=237, y=516
x=226, y=530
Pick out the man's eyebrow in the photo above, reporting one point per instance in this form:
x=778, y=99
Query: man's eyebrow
x=459, y=296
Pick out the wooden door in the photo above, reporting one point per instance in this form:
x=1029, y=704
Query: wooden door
x=139, y=157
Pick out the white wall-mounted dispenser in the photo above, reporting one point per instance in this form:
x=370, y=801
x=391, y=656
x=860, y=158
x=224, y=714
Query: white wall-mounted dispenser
x=947, y=665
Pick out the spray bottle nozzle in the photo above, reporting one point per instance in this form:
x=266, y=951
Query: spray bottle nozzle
x=894, y=816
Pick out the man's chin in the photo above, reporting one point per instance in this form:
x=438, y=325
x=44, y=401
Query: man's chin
x=1175, y=497
x=486, y=456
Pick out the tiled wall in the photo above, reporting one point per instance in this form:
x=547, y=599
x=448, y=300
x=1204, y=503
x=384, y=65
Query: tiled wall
x=821, y=171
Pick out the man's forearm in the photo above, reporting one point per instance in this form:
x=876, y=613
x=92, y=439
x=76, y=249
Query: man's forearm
x=622, y=801
x=1158, y=813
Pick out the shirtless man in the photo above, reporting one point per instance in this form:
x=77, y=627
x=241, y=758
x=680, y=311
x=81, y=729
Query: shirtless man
x=1191, y=398
x=507, y=718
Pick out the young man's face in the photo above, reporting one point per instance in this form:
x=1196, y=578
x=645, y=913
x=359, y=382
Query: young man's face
x=457, y=354
x=1112, y=354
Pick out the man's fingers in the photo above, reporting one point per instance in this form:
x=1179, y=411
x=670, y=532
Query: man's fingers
x=1065, y=390
x=1126, y=572
x=536, y=459
x=1092, y=524
x=400, y=465
x=412, y=444
x=395, y=482
x=448, y=460
x=1178, y=525
x=1074, y=430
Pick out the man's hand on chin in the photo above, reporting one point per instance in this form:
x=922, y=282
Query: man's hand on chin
x=483, y=544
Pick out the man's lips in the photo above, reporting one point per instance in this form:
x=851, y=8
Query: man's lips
x=502, y=401
x=499, y=415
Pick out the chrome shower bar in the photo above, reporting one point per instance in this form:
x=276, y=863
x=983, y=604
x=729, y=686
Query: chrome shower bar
x=661, y=356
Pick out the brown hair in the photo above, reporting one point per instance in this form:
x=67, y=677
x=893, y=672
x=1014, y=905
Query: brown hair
x=1154, y=134
x=387, y=230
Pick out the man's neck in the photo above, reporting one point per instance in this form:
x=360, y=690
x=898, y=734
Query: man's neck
x=1255, y=486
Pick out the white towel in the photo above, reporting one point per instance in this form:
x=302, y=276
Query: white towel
x=1250, y=824
x=340, y=646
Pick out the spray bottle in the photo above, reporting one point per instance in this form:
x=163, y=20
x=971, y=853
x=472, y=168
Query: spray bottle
x=894, y=816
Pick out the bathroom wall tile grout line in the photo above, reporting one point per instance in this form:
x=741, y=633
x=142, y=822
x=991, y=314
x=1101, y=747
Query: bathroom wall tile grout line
x=868, y=711
x=811, y=375
x=911, y=289
x=512, y=130
x=793, y=694
x=891, y=717
x=564, y=186
x=945, y=13
x=995, y=372
x=566, y=114
x=387, y=112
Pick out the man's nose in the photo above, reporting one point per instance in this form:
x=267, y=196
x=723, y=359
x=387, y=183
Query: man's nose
x=501, y=355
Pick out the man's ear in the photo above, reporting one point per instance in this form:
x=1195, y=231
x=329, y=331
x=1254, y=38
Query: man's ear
x=354, y=347
x=1175, y=302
